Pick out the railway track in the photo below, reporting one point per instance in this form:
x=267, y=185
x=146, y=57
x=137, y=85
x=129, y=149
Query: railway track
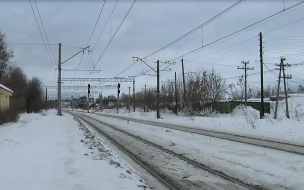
x=156, y=169
x=282, y=146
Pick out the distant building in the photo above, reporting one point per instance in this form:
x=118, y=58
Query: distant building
x=112, y=104
x=5, y=94
x=91, y=100
x=83, y=100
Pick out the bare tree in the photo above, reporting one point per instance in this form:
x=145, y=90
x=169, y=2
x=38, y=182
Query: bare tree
x=236, y=92
x=17, y=82
x=5, y=56
x=35, y=95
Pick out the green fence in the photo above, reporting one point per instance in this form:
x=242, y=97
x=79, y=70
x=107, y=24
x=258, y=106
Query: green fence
x=227, y=107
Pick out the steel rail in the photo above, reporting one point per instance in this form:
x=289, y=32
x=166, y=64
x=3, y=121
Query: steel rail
x=282, y=146
x=192, y=162
x=132, y=156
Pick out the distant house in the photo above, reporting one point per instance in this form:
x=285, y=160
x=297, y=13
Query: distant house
x=5, y=94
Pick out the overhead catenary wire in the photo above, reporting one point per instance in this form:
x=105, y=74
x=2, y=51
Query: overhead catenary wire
x=242, y=42
x=238, y=31
x=267, y=18
x=77, y=47
x=96, y=22
x=47, y=39
x=115, y=33
x=101, y=10
x=199, y=27
x=105, y=24
x=41, y=35
x=94, y=66
x=187, y=34
x=29, y=44
x=113, y=36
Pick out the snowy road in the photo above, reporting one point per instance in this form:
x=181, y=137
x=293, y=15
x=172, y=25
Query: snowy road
x=52, y=153
x=269, y=168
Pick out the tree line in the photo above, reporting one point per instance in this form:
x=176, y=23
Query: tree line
x=28, y=93
x=202, y=89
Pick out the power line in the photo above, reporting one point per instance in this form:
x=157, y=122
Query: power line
x=285, y=36
x=274, y=74
x=228, y=53
x=234, y=50
x=41, y=34
x=284, y=39
x=31, y=44
x=90, y=36
x=195, y=29
x=187, y=34
x=232, y=33
x=70, y=46
x=252, y=74
x=105, y=24
x=79, y=63
x=284, y=25
x=98, y=39
x=298, y=78
x=269, y=70
x=115, y=33
x=238, y=31
x=296, y=81
x=96, y=22
x=132, y=64
x=44, y=30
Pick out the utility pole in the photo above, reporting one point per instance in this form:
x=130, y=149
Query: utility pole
x=72, y=103
x=175, y=94
x=184, y=82
x=245, y=68
x=262, y=81
x=285, y=90
x=59, y=81
x=46, y=100
x=89, y=86
x=129, y=99
x=100, y=101
x=118, y=91
x=134, y=95
x=157, y=91
x=278, y=92
x=282, y=68
x=145, y=99
x=59, y=75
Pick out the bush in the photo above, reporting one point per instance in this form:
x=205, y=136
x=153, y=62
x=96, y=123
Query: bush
x=10, y=115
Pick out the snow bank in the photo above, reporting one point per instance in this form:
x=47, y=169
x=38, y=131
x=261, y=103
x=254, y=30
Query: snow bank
x=242, y=121
x=50, y=152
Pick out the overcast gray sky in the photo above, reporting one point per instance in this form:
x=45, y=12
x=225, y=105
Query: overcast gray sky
x=150, y=26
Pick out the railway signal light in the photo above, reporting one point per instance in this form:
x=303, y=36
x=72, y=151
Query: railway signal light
x=89, y=87
x=118, y=88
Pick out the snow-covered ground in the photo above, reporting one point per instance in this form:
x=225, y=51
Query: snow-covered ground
x=51, y=152
x=243, y=121
x=261, y=166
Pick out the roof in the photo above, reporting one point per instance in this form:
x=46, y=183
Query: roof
x=5, y=88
